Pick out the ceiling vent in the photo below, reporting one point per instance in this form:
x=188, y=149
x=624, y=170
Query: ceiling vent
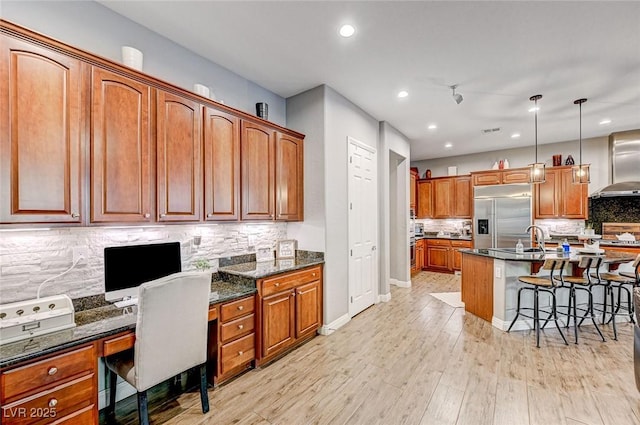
x=490, y=130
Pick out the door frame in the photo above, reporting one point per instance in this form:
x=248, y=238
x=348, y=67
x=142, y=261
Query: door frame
x=376, y=279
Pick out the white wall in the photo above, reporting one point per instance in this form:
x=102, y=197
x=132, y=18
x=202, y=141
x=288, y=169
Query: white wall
x=92, y=27
x=394, y=206
x=595, y=151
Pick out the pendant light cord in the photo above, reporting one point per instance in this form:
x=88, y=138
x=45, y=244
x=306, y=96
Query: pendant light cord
x=536, y=123
x=580, y=137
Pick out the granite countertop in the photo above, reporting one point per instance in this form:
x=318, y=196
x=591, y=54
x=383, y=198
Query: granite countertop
x=96, y=318
x=262, y=269
x=608, y=256
x=452, y=237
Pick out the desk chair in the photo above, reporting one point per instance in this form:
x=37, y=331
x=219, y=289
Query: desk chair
x=538, y=284
x=591, y=277
x=622, y=282
x=171, y=337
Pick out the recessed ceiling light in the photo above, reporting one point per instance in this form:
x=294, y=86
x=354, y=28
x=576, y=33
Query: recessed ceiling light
x=432, y=127
x=347, y=30
x=605, y=121
x=448, y=145
x=535, y=108
x=403, y=93
x=515, y=135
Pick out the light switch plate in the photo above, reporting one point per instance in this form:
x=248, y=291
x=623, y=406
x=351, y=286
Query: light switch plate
x=498, y=272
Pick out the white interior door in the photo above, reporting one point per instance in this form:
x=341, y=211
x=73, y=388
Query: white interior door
x=363, y=226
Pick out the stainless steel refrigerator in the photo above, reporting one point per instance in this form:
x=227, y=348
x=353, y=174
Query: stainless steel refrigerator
x=501, y=215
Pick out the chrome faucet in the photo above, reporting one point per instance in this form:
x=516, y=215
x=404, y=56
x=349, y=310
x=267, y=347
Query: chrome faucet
x=539, y=236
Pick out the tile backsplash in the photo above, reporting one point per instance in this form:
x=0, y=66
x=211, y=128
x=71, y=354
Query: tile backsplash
x=29, y=257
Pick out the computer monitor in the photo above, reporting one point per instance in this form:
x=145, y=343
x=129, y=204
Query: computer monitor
x=126, y=267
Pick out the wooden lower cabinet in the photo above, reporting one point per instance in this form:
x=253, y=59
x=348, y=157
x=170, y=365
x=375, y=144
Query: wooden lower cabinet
x=477, y=285
x=420, y=256
x=58, y=389
x=443, y=255
x=290, y=311
x=232, y=339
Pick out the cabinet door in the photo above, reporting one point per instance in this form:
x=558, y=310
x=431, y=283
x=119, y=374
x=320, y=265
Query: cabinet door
x=573, y=197
x=40, y=134
x=289, y=178
x=462, y=197
x=424, y=199
x=516, y=175
x=120, y=149
x=437, y=257
x=278, y=330
x=413, y=177
x=221, y=165
x=307, y=308
x=257, y=159
x=179, y=166
x=420, y=254
x=485, y=178
x=442, y=198
x=546, y=196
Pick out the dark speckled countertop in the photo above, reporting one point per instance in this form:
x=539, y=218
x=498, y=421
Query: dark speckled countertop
x=96, y=318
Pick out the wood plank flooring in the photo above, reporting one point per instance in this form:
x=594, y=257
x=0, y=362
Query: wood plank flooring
x=416, y=360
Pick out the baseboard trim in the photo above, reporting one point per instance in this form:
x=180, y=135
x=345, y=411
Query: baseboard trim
x=335, y=325
x=385, y=298
x=400, y=283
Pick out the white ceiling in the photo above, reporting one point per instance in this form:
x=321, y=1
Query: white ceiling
x=499, y=53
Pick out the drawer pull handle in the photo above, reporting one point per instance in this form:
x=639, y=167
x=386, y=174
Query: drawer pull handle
x=313, y=274
x=240, y=307
x=75, y=215
x=53, y=402
x=52, y=371
x=276, y=284
x=241, y=327
x=163, y=215
x=240, y=353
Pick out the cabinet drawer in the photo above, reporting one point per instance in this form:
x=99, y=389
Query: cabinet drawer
x=45, y=372
x=88, y=415
x=286, y=281
x=438, y=242
x=230, y=311
x=237, y=353
x=57, y=402
x=461, y=244
x=118, y=344
x=233, y=329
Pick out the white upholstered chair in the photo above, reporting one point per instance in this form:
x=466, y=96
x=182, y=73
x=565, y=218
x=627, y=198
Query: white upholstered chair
x=171, y=337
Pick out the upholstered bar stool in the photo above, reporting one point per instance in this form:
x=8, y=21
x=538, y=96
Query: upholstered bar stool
x=585, y=283
x=171, y=337
x=622, y=283
x=537, y=285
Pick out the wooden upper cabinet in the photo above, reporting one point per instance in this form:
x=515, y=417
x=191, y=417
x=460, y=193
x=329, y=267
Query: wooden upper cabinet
x=257, y=159
x=424, y=201
x=40, y=135
x=462, y=197
x=484, y=178
x=508, y=176
x=413, y=177
x=516, y=175
x=179, y=165
x=221, y=165
x=558, y=197
x=442, y=197
x=289, y=178
x=120, y=149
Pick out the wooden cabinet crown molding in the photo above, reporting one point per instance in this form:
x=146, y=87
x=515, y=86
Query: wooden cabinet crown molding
x=17, y=31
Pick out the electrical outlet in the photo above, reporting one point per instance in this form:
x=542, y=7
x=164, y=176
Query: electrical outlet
x=498, y=272
x=80, y=251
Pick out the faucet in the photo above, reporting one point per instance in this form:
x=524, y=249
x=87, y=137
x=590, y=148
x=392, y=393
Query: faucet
x=539, y=236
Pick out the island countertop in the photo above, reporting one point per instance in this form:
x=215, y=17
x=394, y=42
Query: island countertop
x=608, y=256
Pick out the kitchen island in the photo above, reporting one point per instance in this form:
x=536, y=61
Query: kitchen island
x=490, y=281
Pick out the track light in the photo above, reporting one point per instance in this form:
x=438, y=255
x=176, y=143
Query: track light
x=456, y=96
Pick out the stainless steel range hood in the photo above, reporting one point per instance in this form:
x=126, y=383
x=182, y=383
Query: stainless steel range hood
x=625, y=165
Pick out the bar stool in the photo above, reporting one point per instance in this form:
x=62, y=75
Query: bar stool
x=538, y=284
x=586, y=282
x=622, y=282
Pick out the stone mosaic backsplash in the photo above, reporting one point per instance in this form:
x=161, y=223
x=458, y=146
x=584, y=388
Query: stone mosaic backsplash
x=29, y=257
x=621, y=209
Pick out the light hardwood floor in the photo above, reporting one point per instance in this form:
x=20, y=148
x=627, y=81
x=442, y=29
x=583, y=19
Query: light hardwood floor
x=416, y=360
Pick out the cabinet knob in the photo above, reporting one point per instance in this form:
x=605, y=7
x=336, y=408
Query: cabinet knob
x=210, y=215
x=240, y=353
x=52, y=370
x=147, y=215
x=293, y=294
x=240, y=326
x=276, y=284
x=240, y=307
x=313, y=274
x=53, y=402
x=163, y=215
x=75, y=215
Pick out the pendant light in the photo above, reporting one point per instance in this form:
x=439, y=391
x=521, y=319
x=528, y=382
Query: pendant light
x=536, y=170
x=580, y=173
